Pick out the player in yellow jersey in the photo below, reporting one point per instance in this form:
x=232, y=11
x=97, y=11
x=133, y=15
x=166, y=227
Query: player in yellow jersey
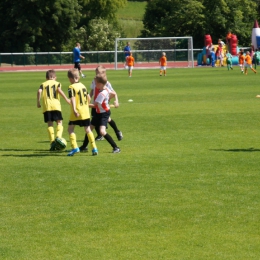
x=79, y=112
x=50, y=92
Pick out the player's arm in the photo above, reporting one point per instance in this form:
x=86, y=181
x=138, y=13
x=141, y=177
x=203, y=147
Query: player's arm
x=39, y=94
x=63, y=95
x=73, y=104
x=113, y=94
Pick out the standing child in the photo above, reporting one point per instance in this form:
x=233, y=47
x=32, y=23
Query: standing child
x=241, y=60
x=50, y=92
x=103, y=110
x=248, y=64
x=163, y=64
x=229, y=60
x=130, y=62
x=79, y=115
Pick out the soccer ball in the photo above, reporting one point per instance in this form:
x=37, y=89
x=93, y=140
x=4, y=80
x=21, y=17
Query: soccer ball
x=60, y=143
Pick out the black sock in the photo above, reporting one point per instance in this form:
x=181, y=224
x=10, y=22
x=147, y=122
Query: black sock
x=97, y=130
x=112, y=123
x=86, y=141
x=110, y=140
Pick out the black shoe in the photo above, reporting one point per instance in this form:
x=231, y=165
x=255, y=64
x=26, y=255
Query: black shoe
x=99, y=138
x=83, y=149
x=119, y=135
x=53, y=146
x=116, y=150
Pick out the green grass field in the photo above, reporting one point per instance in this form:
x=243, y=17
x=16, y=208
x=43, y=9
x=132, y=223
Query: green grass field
x=185, y=185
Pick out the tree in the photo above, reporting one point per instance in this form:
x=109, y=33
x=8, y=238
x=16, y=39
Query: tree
x=101, y=35
x=42, y=25
x=199, y=17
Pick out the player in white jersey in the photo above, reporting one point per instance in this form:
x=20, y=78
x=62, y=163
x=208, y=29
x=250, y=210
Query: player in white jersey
x=93, y=94
x=101, y=103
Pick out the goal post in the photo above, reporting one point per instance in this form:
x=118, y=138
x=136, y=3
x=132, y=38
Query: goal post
x=147, y=51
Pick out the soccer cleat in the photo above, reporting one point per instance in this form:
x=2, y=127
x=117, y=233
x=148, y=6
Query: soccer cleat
x=83, y=76
x=94, y=151
x=116, y=150
x=53, y=146
x=99, y=138
x=119, y=135
x=73, y=151
x=83, y=149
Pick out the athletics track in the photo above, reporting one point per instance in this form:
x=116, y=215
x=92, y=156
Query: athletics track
x=64, y=67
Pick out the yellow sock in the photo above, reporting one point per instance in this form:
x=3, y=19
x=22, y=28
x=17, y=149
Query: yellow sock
x=73, y=141
x=59, y=131
x=91, y=139
x=51, y=133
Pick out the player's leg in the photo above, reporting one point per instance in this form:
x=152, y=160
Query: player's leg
x=73, y=140
x=91, y=140
x=51, y=135
x=118, y=133
x=103, y=124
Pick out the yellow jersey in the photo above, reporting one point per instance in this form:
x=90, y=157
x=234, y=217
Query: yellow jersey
x=79, y=91
x=50, y=95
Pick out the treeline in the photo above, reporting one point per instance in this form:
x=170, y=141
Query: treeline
x=55, y=25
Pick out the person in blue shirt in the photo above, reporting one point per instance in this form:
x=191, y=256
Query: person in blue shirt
x=127, y=51
x=76, y=58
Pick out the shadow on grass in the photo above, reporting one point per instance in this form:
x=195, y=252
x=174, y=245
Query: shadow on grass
x=37, y=153
x=251, y=149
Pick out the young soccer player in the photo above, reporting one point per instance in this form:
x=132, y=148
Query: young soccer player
x=93, y=94
x=101, y=104
x=130, y=61
x=229, y=60
x=50, y=92
x=163, y=64
x=79, y=114
x=241, y=60
x=248, y=64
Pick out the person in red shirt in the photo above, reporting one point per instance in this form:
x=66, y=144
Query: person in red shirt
x=163, y=64
x=130, y=62
x=248, y=64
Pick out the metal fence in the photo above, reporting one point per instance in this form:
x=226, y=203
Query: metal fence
x=61, y=58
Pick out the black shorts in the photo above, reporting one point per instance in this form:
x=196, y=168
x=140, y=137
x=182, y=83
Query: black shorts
x=100, y=119
x=93, y=112
x=52, y=116
x=77, y=65
x=85, y=122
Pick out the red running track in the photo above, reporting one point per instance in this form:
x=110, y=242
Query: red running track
x=147, y=65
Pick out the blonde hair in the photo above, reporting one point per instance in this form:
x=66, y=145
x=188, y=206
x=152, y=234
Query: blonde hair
x=100, y=69
x=73, y=74
x=101, y=78
x=163, y=53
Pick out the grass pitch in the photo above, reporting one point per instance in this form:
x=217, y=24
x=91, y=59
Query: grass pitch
x=185, y=186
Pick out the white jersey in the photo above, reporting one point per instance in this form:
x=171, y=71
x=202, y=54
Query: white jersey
x=102, y=100
x=96, y=90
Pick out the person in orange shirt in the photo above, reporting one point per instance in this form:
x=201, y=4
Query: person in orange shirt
x=130, y=62
x=163, y=64
x=241, y=60
x=248, y=64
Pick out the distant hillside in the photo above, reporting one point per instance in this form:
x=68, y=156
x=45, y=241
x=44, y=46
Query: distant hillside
x=131, y=18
